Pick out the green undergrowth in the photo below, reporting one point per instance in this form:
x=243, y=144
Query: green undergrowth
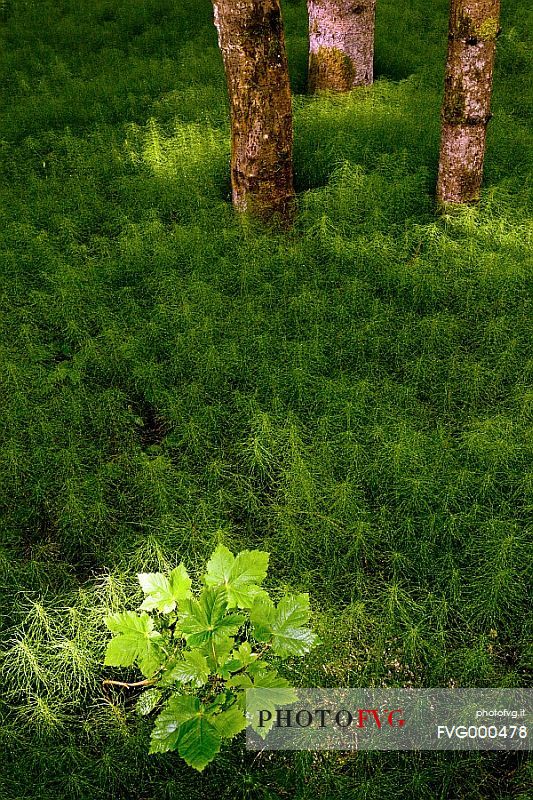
x=354, y=397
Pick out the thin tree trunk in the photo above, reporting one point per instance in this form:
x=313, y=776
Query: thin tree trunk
x=474, y=26
x=252, y=42
x=341, y=44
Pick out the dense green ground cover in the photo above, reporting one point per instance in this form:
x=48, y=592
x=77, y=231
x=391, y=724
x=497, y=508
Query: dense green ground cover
x=355, y=397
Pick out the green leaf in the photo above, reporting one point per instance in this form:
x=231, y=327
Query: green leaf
x=231, y=666
x=148, y=701
x=221, y=699
x=219, y=567
x=289, y=637
x=217, y=651
x=193, y=668
x=262, y=613
x=241, y=681
x=206, y=620
x=244, y=654
x=165, y=733
x=229, y=723
x=240, y=659
x=156, y=587
x=199, y=742
x=268, y=693
x=240, y=576
x=164, y=593
x=256, y=666
x=271, y=680
x=135, y=641
x=285, y=624
x=121, y=651
x=183, y=725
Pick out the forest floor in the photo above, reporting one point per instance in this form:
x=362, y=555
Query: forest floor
x=354, y=397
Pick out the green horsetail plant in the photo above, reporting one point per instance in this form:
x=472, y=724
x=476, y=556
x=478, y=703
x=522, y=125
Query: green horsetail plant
x=200, y=653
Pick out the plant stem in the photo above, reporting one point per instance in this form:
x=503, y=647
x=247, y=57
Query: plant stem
x=147, y=682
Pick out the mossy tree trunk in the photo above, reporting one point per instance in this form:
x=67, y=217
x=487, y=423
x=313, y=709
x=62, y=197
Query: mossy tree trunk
x=341, y=44
x=474, y=26
x=252, y=42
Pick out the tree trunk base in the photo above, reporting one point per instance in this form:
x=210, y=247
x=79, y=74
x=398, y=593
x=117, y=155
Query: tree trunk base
x=474, y=26
x=341, y=44
x=461, y=163
x=252, y=43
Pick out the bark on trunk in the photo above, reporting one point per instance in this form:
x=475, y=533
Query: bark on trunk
x=252, y=42
x=474, y=26
x=341, y=44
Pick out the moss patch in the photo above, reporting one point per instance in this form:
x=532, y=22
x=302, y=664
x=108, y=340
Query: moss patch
x=485, y=32
x=454, y=102
x=330, y=68
x=488, y=31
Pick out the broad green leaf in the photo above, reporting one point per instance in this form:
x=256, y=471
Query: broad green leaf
x=293, y=642
x=244, y=654
x=249, y=567
x=241, y=681
x=148, y=701
x=165, y=733
x=229, y=723
x=122, y=651
x=219, y=567
x=199, y=742
x=221, y=699
x=217, y=651
x=262, y=613
x=192, y=668
x=240, y=576
x=156, y=587
x=180, y=582
x=135, y=641
x=164, y=593
x=269, y=679
x=255, y=667
x=183, y=725
x=129, y=622
x=268, y=693
x=206, y=620
x=284, y=624
x=289, y=637
x=231, y=666
x=240, y=659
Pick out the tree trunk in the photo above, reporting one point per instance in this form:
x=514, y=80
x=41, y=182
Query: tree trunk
x=474, y=26
x=341, y=44
x=252, y=42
